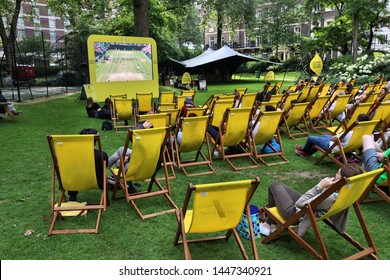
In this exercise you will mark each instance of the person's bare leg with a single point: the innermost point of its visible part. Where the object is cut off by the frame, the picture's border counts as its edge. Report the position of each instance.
(368, 142)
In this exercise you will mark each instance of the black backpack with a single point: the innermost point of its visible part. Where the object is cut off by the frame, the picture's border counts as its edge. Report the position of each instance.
(106, 125)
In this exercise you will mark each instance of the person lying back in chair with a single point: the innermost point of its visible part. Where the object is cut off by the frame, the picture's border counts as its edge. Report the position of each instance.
(98, 167)
(288, 201)
(325, 141)
(373, 156)
(115, 157)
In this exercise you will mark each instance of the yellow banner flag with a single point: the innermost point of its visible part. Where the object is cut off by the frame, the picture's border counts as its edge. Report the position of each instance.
(270, 76)
(316, 64)
(377, 54)
(186, 78)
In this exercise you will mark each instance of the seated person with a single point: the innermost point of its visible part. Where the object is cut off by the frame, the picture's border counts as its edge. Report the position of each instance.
(187, 104)
(325, 141)
(105, 111)
(115, 158)
(373, 156)
(92, 108)
(288, 201)
(7, 107)
(179, 133)
(98, 167)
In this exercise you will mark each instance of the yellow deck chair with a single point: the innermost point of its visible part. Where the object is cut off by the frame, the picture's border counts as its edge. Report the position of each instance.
(268, 128)
(236, 122)
(219, 109)
(381, 112)
(144, 102)
(325, 89)
(295, 119)
(188, 92)
(193, 139)
(164, 120)
(216, 208)
(261, 105)
(304, 94)
(146, 159)
(166, 97)
(349, 192)
(198, 111)
(362, 108)
(278, 86)
(165, 106)
(371, 98)
(112, 99)
(248, 99)
(180, 100)
(276, 98)
(340, 105)
(314, 93)
(358, 130)
(241, 91)
(123, 112)
(315, 110)
(286, 101)
(74, 170)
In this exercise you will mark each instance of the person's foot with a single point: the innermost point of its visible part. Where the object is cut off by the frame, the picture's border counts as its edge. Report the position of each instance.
(298, 147)
(302, 154)
(131, 189)
(266, 229)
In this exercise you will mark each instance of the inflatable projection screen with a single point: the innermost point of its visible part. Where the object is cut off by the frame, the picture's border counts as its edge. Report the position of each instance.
(122, 65)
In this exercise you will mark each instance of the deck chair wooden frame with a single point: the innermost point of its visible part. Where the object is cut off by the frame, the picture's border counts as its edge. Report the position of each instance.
(144, 102)
(268, 128)
(74, 169)
(358, 129)
(193, 134)
(216, 207)
(164, 119)
(236, 133)
(349, 192)
(295, 118)
(146, 159)
(122, 111)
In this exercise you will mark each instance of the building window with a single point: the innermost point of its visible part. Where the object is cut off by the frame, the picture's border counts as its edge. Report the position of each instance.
(53, 37)
(247, 41)
(258, 41)
(52, 23)
(20, 22)
(297, 30)
(21, 34)
(211, 42)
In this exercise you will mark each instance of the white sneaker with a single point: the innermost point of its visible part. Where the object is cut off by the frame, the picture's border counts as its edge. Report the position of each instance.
(216, 154)
(266, 231)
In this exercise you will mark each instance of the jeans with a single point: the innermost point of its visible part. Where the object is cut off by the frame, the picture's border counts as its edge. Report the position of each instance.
(320, 141)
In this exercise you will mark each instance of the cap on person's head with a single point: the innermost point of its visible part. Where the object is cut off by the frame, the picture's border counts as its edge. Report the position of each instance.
(188, 100)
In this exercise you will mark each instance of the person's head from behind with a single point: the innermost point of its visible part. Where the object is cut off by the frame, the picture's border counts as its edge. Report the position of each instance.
(191, 115)
(188, 100)
(363, 118)
(269, 108)
(107, 101)
(89, 101)
(349, 170)
(89, 131)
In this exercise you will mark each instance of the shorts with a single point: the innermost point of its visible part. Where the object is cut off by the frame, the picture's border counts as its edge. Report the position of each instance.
(370, 160)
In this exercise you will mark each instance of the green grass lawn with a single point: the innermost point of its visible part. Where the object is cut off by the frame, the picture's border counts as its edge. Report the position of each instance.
(25, 196)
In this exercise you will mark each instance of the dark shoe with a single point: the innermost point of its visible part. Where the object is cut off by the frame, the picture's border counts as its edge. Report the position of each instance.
(298, 147)
(302, 154)
(72, 198)
(131, 189)
(137, 185)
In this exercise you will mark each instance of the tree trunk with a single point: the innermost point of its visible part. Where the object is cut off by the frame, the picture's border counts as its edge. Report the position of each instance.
(219, 31)
(355, 36)
(371, 33)
(141, 18)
